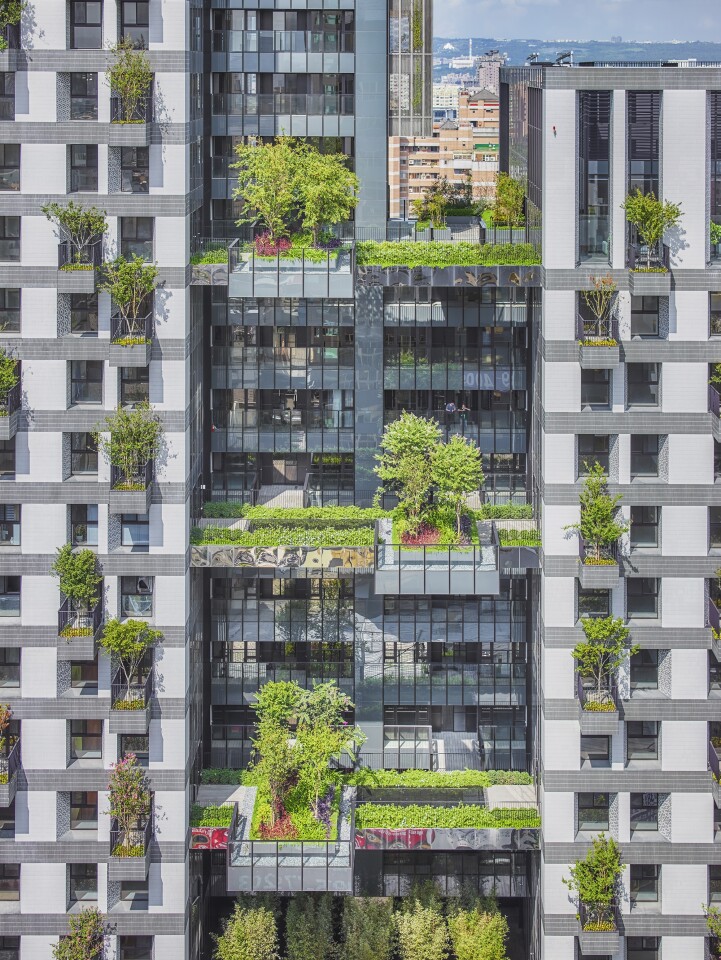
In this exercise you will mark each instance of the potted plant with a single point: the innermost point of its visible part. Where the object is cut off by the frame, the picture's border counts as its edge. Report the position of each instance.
(599, 530)
(130, 79)
(652, 218)
(598, 657)
(130, 440)
(80, 231)
(127, 643)
(130, 806)
(8, 779)
(86, 939)
(130, 284)
(79, 580)
(596, 883)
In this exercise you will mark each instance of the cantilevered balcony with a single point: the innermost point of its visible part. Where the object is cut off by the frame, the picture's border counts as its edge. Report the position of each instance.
(133, 130)
(598, 929)
(307, 273)
(10, 403)
(131, 496)
(597, 709)
(130, 851)
(598, 570)
(78, 631)
(131, 340)
(598, 344)
(77, 269)
(130, 705)
(649, 270)
(10, 763)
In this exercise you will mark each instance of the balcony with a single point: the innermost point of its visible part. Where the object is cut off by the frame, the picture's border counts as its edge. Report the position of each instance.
(77, 271)
(296, 115)
(598, 571)
(649, 270)
(714, 766)
(283, 430)
(10, 56)
(130, 852)
(9, 766)
(130, 706)
(714, 408)
(597, 709)
(130, 131)
(9, 412)
(305, 273)
(713, 620)
(598, 929)
(78, 631)
(598, 344)
(132, 496)
(131, 340)
(438, 569)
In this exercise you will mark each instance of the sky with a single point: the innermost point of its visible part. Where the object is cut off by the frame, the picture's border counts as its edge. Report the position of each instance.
(579, 19)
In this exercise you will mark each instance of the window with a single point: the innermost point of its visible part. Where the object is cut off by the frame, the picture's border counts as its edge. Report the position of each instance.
(592, 449)
(645, 882)
(9, 596)
(642, 739)
(135, 170)
(714, 883)
(644, 316)
(643, 384)
(86, 24)
(134, 892)
(83, 96)
(645, 523)
(715, 315)
(86, 381)
(136, 237)
(7, 459)
(135, 948)
(83, 882)
(595, 750)
(83, 168)
(84, 314)
(714, 528)
(134, 22)
(10, 299)
(9, 238)
(9, 948)
(135, 530)
(595, 388)
(592, 811)
(9, 881)
(84, 805)
(642, 948)
(644, 811)
(10, 667)
(716, 460)
(84, 524)
(137, 744)
(134, 385)
(642, 598)
(644, 670)
(84, 675)
(9, 526)
(7, 96)
(645, 449)
(136, 596)
(593, 603)
(9, 166)
(83, 454)
(86, 739)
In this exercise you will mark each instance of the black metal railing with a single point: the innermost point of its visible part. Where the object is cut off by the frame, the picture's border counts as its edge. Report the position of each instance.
(10, 401)
(140, 480)
(79, 623)
(141, 113)
(10, 762)
(90, 256)
(590, 329)
(131, 328)
(136, 839)
(606, 553)
(137, 692)
(642, 256)
(11, 34)
(590, 697)
(714, 764)
(598, 917)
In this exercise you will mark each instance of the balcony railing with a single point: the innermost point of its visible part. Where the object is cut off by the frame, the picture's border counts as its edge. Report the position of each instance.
(91, 255)
(79, 623)
(589, 329)
(591, 698)
(284, 358)
(303, 274)
(282, 41)
(11, 33)
(10, 763)
(598, 917)
(131, 328)
(139, 481)
(123, 844)
(640, 256)
(283, 104)
(137, 694)
(10, 401)
(143, 112)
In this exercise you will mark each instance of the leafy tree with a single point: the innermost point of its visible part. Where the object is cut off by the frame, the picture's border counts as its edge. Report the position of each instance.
(651, 217)
(422, 932)
(478, 935)
(86, 940)
(328, 189)
(599, 301)
(77, 225)
(318, 744)
(309, 927)
(604, 650)
(277, 766)
(9, 375)
(598, 526)
(434, 203)
(77, 572)
(277, 702)
(715, 231)
(597, 878)
(715, 378)
(324, 704)
(127, 642)
(130, 78)
(713, 923)
(11, 12)
(367, 929)
(268, 184)
(408, 446)
(510, 196)
(250, 933)
(456, 472)
(129, 283)
(135, 439)
(414, 477)
(129, 798)
(6, 716)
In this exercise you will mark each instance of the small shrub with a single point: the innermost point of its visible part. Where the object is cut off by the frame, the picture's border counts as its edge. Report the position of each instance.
(125, 850)
(439, 254)
(282, 829)
(221, 775)
(210, 815)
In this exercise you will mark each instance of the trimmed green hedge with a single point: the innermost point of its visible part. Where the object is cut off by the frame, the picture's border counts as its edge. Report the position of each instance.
(393, 817)
(345, 518)
(220, 509)
(210, 816)
(221, 775)
(519, 538)
(505, 511)
(219, 255)
(434, 779)
(441, 254)
(283, 537)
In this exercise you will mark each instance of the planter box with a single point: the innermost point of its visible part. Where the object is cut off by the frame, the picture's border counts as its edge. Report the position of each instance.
(596, 943)
(129, 868)
(598, 576)
(76, 648)
(642, 284)
(130, 501)
(128, 134)
(136, 355)
(9, 60)
(8, 790)
(9, 425)
(598, 722)
(130, 721)
(76, 281)
(599, 358)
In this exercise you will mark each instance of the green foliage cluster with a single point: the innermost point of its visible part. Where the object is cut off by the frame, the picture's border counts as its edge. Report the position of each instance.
(128, 642)
(133, 704)
(11, 12)
(77, 573)
(130, 284)
(130, 78)
(436, 778)
(407, 253)
(309, 928)
(651, 217)
(213, 255)
(211, 815)
(129, 797)
(250, 933)
(367, 929)
(598, 527)
(604, 650)
(504, 511)
(597, 878)
(441, 519)
(221, 775)
(510, 197)
(77, 225)
(128, 850)
(715, 231)
(9, 375)
(220, 509)
(277, 536)
(519, 538)
(393, 816)
(86, 937)
(135, 438)
(344, 517)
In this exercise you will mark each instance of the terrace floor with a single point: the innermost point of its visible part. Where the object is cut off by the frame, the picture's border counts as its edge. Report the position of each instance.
(280, 495)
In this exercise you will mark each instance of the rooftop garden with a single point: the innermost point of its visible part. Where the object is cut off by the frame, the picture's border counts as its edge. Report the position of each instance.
(391, 816)
(211, 253)
(436, 779)
(595, 882)
(651, 217)
(210, 815)
(401, 253)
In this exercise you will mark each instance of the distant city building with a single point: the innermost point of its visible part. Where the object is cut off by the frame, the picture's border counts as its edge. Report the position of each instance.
(445, 101)
(489, 68)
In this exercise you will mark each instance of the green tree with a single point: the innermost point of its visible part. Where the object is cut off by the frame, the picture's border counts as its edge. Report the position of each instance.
(367, 929)
(651, 217)
(77, 573)
(309, 927)
(277, 766)
(250, 933)
(86, 940)
(605, 649)
(6, 716)
(434, 203)
(129, 802)
(11, 12)
(456, 472)
(130, 283)
(77, 225)
(9, 375)
(599, 300)
(268, 184)
(510, 196)
(127, 642)
(408, 446)
(318, 744)
(713, 924)
(422, 932)
(277, 702)
(598, 527)
(597, 878)
(328, 189)
(135, 439)
(324, 703)
(130, 79)
(478, 935)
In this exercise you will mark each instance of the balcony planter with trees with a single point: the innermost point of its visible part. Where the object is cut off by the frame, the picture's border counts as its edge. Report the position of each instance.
(80, 614)
(130, 440)
(596, 883)
(9, 758)
(11, 12)
(130, 284)
(86, 939)
(648, 260)
(127, 643)
(598, 658)
(131, 105)
(131, 830)
(9, 395)
(80, 252)
(599, 531)
(598, 338)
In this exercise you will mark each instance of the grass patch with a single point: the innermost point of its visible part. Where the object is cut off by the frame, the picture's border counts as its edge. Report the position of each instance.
(442, 254)
(393, 817)
(276, 536)
(433, 779)
(300, 818)
(217, 254)
(504, 511)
